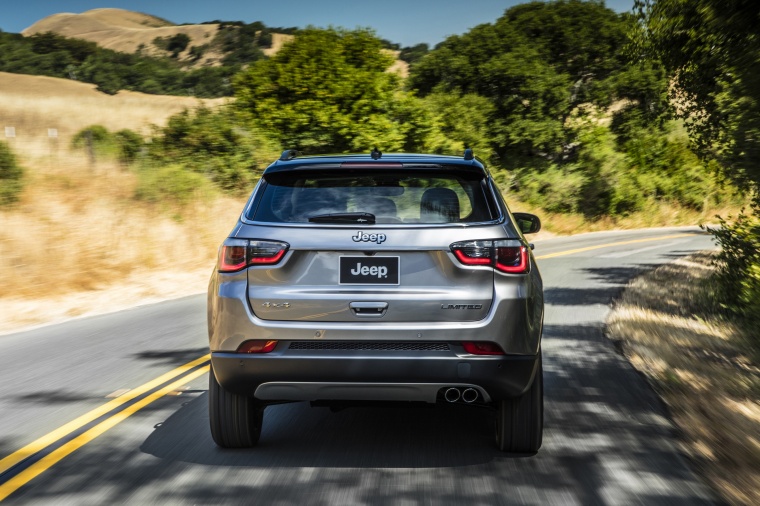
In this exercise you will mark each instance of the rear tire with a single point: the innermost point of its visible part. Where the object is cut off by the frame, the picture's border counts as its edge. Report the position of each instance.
(235, 419)
(520, 421)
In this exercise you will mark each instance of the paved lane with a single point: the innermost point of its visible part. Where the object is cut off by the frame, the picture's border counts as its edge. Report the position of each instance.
(607, 440)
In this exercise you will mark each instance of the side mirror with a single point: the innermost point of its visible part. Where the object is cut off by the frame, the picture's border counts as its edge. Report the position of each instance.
(528, 223)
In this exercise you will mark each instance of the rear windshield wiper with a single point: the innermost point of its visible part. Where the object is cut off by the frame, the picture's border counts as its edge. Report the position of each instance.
(343, 218)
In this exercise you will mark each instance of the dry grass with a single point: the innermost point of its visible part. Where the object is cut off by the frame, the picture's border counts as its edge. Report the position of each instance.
(34, 104)
(705, 369)
(121, 30)
(78, 230)
(278, 40)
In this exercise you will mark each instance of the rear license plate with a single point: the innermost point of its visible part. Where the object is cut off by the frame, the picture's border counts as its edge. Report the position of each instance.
(366, 270)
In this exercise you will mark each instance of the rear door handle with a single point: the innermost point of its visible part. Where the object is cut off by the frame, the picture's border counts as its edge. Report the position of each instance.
(369, 309)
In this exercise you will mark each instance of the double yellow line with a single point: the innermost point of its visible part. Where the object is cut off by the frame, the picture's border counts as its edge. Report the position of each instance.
(16, 481)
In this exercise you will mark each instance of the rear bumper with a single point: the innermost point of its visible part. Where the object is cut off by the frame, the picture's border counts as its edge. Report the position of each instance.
(371, 376)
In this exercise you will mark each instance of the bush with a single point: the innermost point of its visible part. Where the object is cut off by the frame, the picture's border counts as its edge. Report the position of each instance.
(96, 137)
(739, 264)
(171, 184)
(11, 176)
(128, 145)
(177, 44)
(213, 143)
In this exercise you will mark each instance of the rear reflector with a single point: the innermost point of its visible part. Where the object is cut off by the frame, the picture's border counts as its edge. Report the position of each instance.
(256, 346)
(482, 348)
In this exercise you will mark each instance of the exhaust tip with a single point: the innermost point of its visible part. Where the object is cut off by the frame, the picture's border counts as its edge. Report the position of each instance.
(470, 395)
(452, 395)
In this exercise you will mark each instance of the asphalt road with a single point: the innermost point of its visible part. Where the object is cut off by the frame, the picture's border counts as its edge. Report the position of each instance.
(607, 439)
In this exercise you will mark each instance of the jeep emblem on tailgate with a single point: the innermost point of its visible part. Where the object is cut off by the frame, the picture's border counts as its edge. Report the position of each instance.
(362, 237)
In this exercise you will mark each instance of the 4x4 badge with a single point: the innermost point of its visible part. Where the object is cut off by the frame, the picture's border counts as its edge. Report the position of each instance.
(362, 237)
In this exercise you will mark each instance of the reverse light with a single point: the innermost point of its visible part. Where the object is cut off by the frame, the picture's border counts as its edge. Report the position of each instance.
(256, 346)
(237, 254)
(482, 348)
(473, 252)
(509, 256)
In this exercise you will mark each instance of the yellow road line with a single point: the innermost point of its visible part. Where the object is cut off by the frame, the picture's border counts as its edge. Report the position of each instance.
(50, 438)
(608, 245)
(54, 457)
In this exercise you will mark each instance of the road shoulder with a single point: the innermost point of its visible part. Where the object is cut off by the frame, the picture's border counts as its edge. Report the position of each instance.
(702, 366)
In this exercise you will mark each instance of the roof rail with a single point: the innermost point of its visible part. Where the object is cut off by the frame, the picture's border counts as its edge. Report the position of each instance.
(289, 154)
(468, 155)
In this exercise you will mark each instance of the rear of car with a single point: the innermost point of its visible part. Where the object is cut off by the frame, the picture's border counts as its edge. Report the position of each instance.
(395, 278)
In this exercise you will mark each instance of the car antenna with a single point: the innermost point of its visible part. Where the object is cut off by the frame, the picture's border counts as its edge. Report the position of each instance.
(375, 154)
(468, 155)
(289, 154)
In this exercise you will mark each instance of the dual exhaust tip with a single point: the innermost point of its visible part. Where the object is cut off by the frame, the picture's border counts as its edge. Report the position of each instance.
(468, 395)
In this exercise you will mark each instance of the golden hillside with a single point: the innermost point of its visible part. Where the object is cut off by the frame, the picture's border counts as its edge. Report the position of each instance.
(122, 30)
(34, 104)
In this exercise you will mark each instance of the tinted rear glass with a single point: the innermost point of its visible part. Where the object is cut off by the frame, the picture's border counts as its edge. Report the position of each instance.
(393, 196)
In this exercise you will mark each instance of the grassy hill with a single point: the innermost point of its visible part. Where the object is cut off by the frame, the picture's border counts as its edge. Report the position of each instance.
(209, 44)
(127, 32)
(34, 104)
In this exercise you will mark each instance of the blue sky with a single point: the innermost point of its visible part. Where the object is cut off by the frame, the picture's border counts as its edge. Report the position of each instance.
(406, 22)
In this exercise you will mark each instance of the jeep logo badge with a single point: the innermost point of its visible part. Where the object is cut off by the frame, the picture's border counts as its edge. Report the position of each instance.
(362, 237)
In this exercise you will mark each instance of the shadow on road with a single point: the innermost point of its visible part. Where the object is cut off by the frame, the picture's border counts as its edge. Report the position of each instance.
(297, 435)
(172, 357)
(610, 283)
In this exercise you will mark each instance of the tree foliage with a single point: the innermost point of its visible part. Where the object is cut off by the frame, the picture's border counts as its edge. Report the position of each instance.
(412, 54)
(537, 63)
(214, 144)
(328, 90)
(711, 50)
(553, 97)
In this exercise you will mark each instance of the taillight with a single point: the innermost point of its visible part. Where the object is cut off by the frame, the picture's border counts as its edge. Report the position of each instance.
(256, 346)
(508, 256)
(237, 254)
(482, 348)
(511, 259)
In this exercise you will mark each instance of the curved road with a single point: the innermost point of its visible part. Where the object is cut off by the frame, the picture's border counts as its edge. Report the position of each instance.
(139, 441)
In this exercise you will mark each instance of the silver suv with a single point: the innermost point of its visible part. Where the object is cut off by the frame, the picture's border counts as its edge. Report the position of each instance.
(371, 278)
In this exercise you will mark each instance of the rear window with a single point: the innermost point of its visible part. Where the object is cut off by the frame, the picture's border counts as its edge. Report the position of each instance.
(392, 196)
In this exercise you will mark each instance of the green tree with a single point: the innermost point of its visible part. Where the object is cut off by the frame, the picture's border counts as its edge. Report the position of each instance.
(177, 43)
(412, 54)
(328, 91)
(536, 64)
(213, 143)
(711, 50)
(462, 121)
